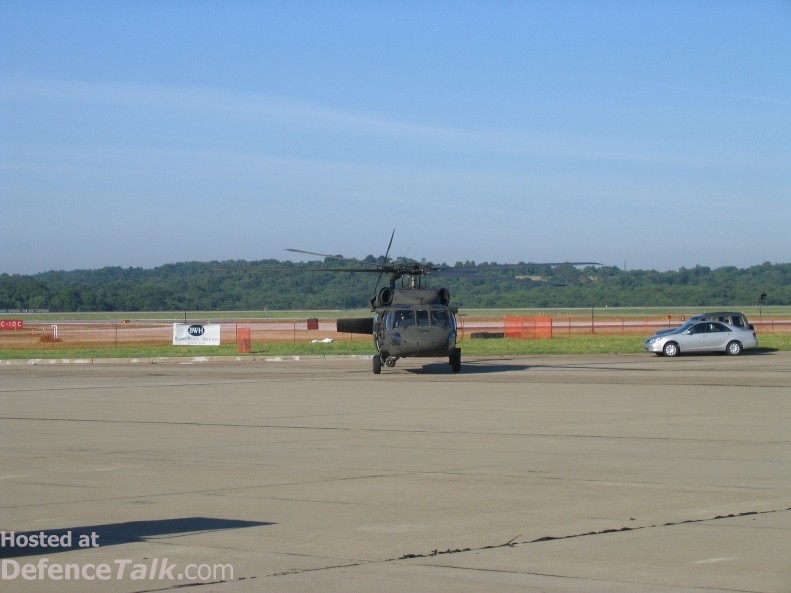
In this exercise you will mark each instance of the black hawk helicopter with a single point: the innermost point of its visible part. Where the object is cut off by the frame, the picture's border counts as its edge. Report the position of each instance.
(410, 320)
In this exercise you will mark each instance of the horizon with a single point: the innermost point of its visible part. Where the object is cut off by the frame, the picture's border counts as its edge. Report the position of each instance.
(446, 264)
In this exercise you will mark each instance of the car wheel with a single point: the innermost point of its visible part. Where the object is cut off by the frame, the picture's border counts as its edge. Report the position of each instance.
(734, 348)
(670, 349)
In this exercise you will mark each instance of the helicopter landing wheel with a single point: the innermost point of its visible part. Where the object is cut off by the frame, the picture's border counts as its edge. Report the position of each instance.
(391, 361)
(455, 359)
(377, 362)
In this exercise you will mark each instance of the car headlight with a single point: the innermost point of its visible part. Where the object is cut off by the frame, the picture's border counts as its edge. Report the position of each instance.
(652, 340)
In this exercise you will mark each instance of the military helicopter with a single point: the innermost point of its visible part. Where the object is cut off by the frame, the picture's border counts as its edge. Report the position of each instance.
(410, 320)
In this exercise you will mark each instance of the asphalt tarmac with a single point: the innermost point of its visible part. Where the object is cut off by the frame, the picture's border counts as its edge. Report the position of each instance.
(628, 473)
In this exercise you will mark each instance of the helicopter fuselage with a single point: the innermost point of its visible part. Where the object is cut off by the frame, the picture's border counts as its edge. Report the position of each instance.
(414, 321)
(407, 322)
(414, 330)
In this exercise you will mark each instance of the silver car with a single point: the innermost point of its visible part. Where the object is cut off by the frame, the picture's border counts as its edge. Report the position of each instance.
(727, 317)
(702, 336)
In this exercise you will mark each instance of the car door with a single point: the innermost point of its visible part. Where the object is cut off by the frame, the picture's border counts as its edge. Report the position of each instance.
(717, 336)
(694, 339)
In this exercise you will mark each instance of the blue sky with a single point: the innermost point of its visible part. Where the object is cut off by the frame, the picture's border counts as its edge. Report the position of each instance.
(655, 134)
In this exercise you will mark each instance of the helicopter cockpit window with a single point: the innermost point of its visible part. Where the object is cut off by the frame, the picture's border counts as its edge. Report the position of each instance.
(440, 318)
(404, 317)
(422, 318)
(389, 320)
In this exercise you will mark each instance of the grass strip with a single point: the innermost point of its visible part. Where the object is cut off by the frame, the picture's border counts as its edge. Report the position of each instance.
(494, 347)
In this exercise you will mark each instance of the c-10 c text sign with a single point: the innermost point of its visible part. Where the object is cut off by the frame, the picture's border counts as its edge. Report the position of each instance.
(196, 334)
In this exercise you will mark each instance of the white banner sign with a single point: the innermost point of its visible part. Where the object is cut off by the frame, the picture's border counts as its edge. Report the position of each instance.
(196, 334)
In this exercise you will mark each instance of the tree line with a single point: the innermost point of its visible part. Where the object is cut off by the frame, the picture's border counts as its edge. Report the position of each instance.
(283, 285)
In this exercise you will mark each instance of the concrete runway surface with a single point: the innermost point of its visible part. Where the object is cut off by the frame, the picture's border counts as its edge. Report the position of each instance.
(557, 473)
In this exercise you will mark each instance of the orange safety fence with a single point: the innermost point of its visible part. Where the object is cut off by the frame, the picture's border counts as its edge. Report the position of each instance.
(533, 327)
(243, 341)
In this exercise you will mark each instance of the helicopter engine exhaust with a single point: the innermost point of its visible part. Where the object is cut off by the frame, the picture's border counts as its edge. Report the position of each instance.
(443, 295)
(385, 297)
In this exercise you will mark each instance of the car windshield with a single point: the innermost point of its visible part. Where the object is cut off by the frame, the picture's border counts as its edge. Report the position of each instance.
(682, 328)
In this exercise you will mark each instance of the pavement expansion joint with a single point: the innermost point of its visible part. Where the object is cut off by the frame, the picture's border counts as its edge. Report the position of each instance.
(513, 543)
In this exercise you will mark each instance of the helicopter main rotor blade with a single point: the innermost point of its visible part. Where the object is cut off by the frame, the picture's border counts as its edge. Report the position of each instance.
(339, 258)
(349, 270)
(390, 244)
(519, 266)
(299, 270)
(562, 263)
(387, 253)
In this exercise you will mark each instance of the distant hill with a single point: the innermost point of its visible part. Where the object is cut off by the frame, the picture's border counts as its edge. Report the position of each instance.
(243, 285)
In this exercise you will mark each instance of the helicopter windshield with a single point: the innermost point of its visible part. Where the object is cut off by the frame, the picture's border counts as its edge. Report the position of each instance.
(404, 317)
(441, 318)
